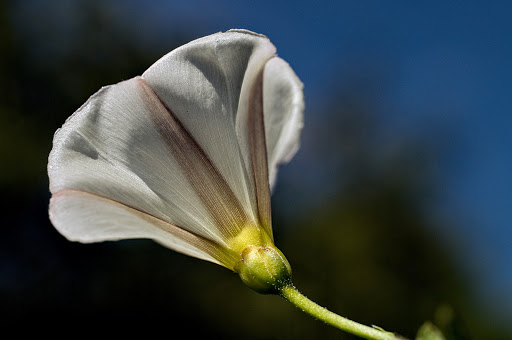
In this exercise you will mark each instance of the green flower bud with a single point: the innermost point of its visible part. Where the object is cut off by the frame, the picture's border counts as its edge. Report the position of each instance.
(264, 269)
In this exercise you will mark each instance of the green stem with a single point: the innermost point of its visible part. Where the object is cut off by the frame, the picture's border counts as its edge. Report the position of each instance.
(291, 294)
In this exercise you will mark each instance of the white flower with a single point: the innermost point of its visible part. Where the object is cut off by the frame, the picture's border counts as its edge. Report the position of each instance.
(185, 154)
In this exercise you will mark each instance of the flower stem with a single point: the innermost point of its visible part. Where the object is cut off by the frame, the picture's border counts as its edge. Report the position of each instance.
(291, 294)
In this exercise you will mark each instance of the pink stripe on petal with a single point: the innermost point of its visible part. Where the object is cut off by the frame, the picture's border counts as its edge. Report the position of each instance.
(258, 149)
(209, 184)
(86, 217)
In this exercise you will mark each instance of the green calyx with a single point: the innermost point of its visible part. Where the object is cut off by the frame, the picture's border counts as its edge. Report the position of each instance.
(264, 269)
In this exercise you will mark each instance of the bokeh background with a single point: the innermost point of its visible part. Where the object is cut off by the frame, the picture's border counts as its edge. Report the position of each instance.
(396, 210)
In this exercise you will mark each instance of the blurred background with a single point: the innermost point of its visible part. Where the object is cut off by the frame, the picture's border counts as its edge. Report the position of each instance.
(395, 211)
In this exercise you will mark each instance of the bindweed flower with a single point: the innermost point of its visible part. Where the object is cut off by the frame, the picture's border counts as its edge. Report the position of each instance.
(185, 154)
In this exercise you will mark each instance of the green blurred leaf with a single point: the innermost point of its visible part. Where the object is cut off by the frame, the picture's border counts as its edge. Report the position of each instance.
(428, 331)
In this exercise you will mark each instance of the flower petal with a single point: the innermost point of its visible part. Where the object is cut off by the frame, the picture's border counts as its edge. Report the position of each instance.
(283, 106)
(111, 147)
(203, 84)
(193, 143)
(258, 151)
(211, 187)
(85, 217)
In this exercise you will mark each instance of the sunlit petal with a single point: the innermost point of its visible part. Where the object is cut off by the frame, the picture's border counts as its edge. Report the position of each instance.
(283, 105)
(190, 148)
(205, 84)
(258, 150)
(85, 217)
(112, 148)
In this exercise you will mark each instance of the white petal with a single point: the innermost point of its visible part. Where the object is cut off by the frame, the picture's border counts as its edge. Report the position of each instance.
(174, 143)
(203, 83)
(283, 106)
(88, 218)
(112, 148)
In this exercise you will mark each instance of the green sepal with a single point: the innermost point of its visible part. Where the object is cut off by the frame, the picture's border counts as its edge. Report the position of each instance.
(264, 269)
